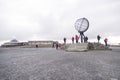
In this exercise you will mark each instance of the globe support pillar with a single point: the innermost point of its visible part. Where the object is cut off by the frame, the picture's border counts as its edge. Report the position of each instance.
(81, 35)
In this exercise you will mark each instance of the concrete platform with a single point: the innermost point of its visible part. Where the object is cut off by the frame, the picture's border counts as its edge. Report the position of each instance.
(78, 47)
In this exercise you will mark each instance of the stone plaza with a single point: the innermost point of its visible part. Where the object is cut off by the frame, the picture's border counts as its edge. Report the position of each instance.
(52, 64)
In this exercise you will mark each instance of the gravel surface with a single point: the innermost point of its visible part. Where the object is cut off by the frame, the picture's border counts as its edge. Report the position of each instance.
(52, 64)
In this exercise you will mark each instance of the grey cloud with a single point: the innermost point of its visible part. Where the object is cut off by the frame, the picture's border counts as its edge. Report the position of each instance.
(55, 19)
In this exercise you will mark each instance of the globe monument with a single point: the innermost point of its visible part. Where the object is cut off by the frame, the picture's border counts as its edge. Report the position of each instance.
(81, 25)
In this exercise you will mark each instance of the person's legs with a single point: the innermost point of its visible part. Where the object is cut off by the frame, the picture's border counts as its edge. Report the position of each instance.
(106, 43)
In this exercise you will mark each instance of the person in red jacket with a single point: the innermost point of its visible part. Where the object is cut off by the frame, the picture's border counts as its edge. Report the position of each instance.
(105, 40)
(76, 38)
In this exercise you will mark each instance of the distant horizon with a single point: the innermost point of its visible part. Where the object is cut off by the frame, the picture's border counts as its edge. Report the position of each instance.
(111, 42)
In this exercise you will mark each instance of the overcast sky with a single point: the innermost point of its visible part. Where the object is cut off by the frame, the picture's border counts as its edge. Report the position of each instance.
(55, 19)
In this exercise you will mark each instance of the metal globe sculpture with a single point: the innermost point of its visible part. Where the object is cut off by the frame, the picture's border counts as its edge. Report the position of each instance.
(82, 25)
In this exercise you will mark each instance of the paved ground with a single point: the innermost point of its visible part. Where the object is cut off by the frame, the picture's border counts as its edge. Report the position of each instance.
(51, 64)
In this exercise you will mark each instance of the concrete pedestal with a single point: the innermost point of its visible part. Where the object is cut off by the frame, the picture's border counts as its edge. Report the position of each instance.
(77, 47)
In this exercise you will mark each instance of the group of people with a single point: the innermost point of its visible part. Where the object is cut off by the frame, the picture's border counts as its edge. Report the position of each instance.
(76, 38)
(85, 40)
(105, 40)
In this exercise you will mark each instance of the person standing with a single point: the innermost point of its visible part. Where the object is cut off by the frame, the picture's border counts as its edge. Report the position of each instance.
(105, 40)
(64, 40)
(56, 45)
(73, 40)
(76, 38)
(98, 38)
(86, 39)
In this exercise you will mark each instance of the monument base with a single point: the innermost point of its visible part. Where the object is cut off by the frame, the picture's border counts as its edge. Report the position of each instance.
(82, 47)
(77, 47)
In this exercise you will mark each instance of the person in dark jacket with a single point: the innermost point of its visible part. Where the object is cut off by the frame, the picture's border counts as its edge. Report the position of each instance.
(98, 38)
(57, 45)
(85, 39)
(73, 40)
(64, 40)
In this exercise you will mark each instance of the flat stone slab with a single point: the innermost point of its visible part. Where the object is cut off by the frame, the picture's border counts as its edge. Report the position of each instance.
(77, 47)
